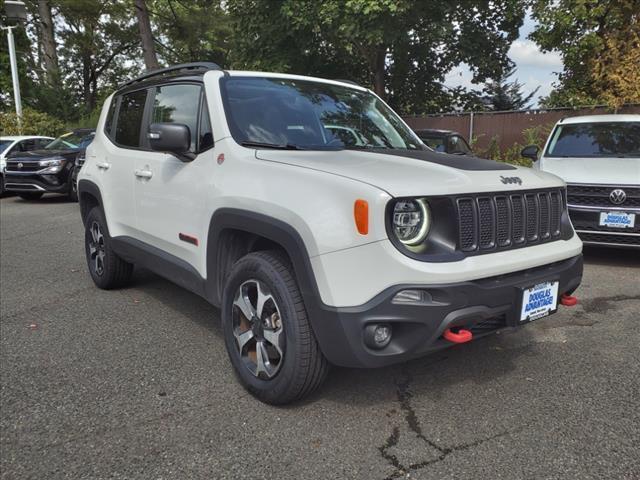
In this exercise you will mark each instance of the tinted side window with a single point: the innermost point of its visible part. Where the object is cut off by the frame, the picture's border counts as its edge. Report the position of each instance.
(177, 104)
(130, 118)
(108, 124)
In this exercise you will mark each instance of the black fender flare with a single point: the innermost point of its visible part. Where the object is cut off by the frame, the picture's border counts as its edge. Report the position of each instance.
(324, 319)
(267, 227)
(87, 186)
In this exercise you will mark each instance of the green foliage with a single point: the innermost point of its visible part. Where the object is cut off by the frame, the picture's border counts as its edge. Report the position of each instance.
(197, 30)
(33, 123)
(401, 48)
(531, 136)
(501, 94)
(578, 29)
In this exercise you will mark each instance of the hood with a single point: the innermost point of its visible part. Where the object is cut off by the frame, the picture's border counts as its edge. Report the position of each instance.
(44, 153)
(612, 171)
(405, 173)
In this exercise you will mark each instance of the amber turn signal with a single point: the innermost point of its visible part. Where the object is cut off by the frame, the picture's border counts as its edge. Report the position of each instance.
(361, 216)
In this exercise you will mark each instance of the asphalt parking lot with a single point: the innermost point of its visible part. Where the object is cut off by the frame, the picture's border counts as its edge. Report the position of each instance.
(136, 384)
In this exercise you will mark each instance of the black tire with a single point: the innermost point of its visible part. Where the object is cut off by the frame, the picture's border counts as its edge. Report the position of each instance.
(1, 185)
(303, 367)
(114, 271)
(73, 187)
(30, 195)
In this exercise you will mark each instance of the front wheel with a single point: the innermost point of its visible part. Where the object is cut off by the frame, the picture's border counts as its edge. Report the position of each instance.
(268, 337)
(107, 269)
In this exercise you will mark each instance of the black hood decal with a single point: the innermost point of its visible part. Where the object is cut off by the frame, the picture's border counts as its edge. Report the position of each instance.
(461, 162)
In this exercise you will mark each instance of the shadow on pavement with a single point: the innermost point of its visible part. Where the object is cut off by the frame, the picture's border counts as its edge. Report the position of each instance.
(481, 361)
(615, 257)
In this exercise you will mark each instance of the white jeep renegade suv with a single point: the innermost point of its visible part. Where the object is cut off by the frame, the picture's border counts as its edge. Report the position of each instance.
(326, 231)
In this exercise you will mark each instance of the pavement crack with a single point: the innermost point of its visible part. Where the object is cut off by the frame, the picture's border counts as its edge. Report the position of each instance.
(404, 394)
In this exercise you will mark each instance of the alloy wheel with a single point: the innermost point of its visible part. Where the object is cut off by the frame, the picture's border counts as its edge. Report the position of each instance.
(96, 249)
(258, 330)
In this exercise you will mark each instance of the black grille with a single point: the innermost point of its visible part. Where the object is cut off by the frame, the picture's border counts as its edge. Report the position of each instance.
(630, 240)
(598, 195)
(499, 221)
(27, 166)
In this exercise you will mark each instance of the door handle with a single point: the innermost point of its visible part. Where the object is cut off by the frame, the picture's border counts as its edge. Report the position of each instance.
(144, 174)
(103, 165)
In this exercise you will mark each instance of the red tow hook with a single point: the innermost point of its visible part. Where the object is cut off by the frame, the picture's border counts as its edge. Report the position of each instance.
(568, 300)
(461, 336)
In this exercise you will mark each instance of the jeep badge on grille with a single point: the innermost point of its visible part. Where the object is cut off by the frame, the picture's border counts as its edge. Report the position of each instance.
(507, 180)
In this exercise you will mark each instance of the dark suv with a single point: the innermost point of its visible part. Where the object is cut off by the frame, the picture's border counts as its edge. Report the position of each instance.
(53, 169)
(445, 141)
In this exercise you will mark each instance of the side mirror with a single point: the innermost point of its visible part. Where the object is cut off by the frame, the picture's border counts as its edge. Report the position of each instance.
(530, 152)
(173, 138)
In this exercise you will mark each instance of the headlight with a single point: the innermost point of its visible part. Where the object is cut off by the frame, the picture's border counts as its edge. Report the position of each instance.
(52, 165)
(411, 221)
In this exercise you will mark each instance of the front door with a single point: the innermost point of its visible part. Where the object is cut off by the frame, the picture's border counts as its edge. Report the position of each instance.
(171, 194)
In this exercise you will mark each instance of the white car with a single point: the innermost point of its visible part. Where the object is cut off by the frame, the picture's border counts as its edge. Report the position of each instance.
(20, 143)
(239, 187)
(599, 159)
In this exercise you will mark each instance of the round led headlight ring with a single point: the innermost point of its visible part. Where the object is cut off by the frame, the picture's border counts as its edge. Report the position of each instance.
(411, 221)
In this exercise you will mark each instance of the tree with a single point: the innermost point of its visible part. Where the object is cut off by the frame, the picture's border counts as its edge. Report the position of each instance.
(146, 36)
(616, 71)
(401, 48)
(98, 38)
(579, 30)
(48, 42)
(197, 30)
(501, 94)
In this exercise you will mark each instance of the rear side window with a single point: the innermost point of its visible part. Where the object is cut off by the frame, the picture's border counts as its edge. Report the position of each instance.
(108, 124)
(178, 104)
(129, 120)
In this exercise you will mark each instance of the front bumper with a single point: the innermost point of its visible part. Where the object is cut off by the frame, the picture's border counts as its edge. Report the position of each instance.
(54, 183)
(586, 222)
(481, 306)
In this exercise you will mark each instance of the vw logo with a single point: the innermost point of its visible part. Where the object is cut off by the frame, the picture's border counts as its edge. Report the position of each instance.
(20, 165)
(617, 196)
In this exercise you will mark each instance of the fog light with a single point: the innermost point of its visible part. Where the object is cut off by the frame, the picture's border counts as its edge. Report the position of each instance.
(412, 297)
(377, 335)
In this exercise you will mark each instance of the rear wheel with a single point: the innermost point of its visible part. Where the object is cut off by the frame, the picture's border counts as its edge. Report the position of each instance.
(107, 269)
(30, 195)
(267, 334)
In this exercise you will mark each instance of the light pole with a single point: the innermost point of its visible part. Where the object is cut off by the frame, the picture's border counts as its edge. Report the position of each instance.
(14, 71)
(15, 10)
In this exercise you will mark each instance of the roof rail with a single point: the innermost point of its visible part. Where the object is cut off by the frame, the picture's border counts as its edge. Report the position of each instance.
(203, 66)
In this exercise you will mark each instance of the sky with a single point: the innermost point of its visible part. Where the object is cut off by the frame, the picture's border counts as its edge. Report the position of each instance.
(534, 68)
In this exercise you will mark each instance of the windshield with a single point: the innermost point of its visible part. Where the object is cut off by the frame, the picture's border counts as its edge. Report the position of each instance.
(596, 140)
(282, 113)
(4, 144)
(70, 141)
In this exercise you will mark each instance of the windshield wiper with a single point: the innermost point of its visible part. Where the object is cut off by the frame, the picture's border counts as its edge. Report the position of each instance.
(286, 146)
